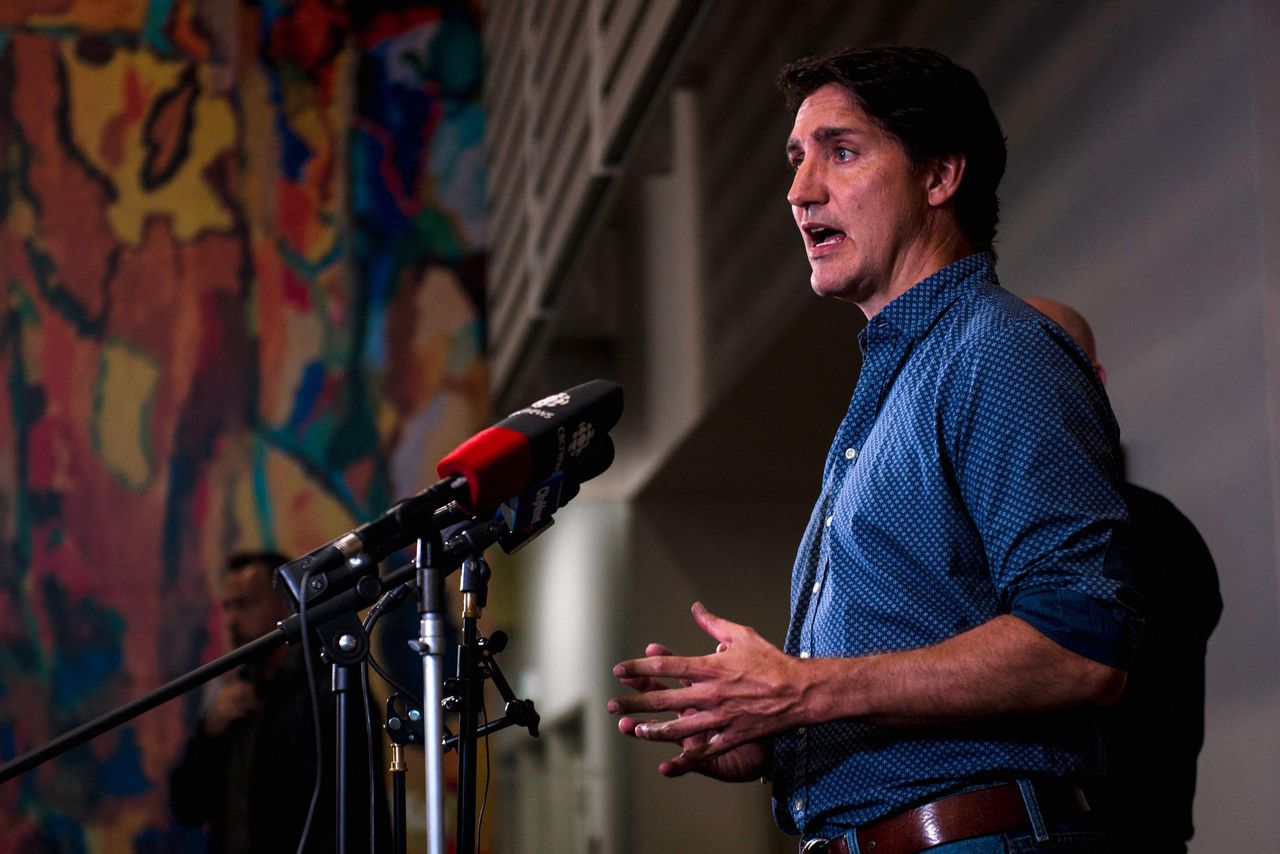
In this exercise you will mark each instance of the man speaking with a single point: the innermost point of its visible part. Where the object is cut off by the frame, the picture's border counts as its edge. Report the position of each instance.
(959, 599)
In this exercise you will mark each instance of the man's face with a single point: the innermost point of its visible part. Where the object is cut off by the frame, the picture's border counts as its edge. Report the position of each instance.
(251, 607)
(860, 207)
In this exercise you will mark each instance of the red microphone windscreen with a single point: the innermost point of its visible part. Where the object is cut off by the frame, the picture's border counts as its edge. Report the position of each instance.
(496, 463)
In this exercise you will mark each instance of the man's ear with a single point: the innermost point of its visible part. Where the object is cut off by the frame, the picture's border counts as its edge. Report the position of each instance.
(943, 175)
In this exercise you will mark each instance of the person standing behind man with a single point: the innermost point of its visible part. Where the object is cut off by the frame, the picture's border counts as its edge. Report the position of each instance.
(1154, 734)
(960, 595)
(248, 770)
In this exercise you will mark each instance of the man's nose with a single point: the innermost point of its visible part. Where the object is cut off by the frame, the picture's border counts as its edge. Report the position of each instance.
(807, 187)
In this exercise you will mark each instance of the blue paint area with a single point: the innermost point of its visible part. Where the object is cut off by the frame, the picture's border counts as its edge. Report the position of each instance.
(79, 675)
(88, 646)
(170, 840)
(310, 387)
(373, 203)
(158, 12)
(183, 471)
(401, 111)
(294, 152)
(62, 834)
(288, 444)
(308, 269)
(375, 344)
(355, 435)
(262, 494)
(378, 277)
(316, 436)
(455, 60)
(120, 774)
(271, 11)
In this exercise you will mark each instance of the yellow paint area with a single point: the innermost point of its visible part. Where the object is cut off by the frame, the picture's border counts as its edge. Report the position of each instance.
(128, 15)
(109, 104)
(305, 515)
(126, 385)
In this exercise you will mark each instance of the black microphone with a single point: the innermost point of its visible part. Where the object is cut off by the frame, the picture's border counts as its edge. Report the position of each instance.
(530, 445)
(397, 527)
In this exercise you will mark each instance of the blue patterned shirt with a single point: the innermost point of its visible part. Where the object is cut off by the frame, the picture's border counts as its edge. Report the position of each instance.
(974, 475)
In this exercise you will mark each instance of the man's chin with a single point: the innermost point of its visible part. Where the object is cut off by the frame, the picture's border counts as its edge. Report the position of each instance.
(827, 286)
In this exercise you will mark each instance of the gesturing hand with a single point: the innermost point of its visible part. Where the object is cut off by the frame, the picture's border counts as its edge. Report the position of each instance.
(236, 700)
(745, 691)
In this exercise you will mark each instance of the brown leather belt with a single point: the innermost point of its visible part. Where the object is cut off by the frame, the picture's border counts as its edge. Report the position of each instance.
(962, 816)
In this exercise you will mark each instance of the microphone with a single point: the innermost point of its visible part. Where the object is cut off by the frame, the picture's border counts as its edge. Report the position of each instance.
(531, 507)
(394, 529)
(497, 464)
(525, 517)
(532, 444)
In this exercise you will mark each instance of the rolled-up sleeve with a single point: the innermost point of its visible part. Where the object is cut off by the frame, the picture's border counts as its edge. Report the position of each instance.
(1036, 455)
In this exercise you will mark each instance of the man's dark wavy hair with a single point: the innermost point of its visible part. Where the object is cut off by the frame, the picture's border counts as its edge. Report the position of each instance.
(932, 106)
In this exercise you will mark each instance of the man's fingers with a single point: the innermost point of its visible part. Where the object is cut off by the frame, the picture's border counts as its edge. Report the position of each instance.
(716, 743)
(644, 684)
(668, 666)
(718, 627)
(677, 766)
(684, 727)
(669, 700)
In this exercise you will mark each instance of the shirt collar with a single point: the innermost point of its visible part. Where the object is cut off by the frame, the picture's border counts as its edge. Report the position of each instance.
(914, 312)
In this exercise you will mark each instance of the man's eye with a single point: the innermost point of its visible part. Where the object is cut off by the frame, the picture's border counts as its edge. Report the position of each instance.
(843, 154)
(795, 162)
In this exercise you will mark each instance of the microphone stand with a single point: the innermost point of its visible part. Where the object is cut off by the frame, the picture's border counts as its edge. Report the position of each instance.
(129, 711)
(404, 726)
(476, 663)
(431, 645)
(347, 643)
(475, 588)
(288, 631)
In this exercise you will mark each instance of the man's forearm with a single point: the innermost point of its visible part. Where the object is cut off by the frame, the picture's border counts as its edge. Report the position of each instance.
(749, 689)
(1003, 667)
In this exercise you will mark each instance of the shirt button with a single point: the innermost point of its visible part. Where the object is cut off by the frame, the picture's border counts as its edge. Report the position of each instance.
(850, 453)
(830, 519)
(804, 653)
(799, 804)
(817, 585)
(799, 730)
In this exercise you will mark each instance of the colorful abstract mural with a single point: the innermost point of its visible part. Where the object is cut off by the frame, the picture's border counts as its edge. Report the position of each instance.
(241, 247)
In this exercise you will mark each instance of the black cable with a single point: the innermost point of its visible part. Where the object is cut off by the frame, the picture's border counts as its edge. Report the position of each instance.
(389, 602)
(393, 683)
(315, 708)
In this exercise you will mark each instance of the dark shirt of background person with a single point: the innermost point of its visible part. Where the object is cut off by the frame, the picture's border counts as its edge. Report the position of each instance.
(1154, 734)
(249, 768)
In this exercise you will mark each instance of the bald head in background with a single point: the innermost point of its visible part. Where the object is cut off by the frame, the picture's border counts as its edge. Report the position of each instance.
(1074, 324)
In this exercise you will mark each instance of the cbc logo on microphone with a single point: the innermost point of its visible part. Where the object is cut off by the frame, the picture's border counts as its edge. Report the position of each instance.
(581, 438)
(554, 400)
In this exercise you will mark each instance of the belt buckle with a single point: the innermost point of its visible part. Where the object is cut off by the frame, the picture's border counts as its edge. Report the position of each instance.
(815, 846)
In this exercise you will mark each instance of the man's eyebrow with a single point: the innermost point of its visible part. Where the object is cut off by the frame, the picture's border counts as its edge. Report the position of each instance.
(826, 133)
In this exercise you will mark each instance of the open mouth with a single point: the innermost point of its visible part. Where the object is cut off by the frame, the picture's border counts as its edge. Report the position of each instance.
(820, 236)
